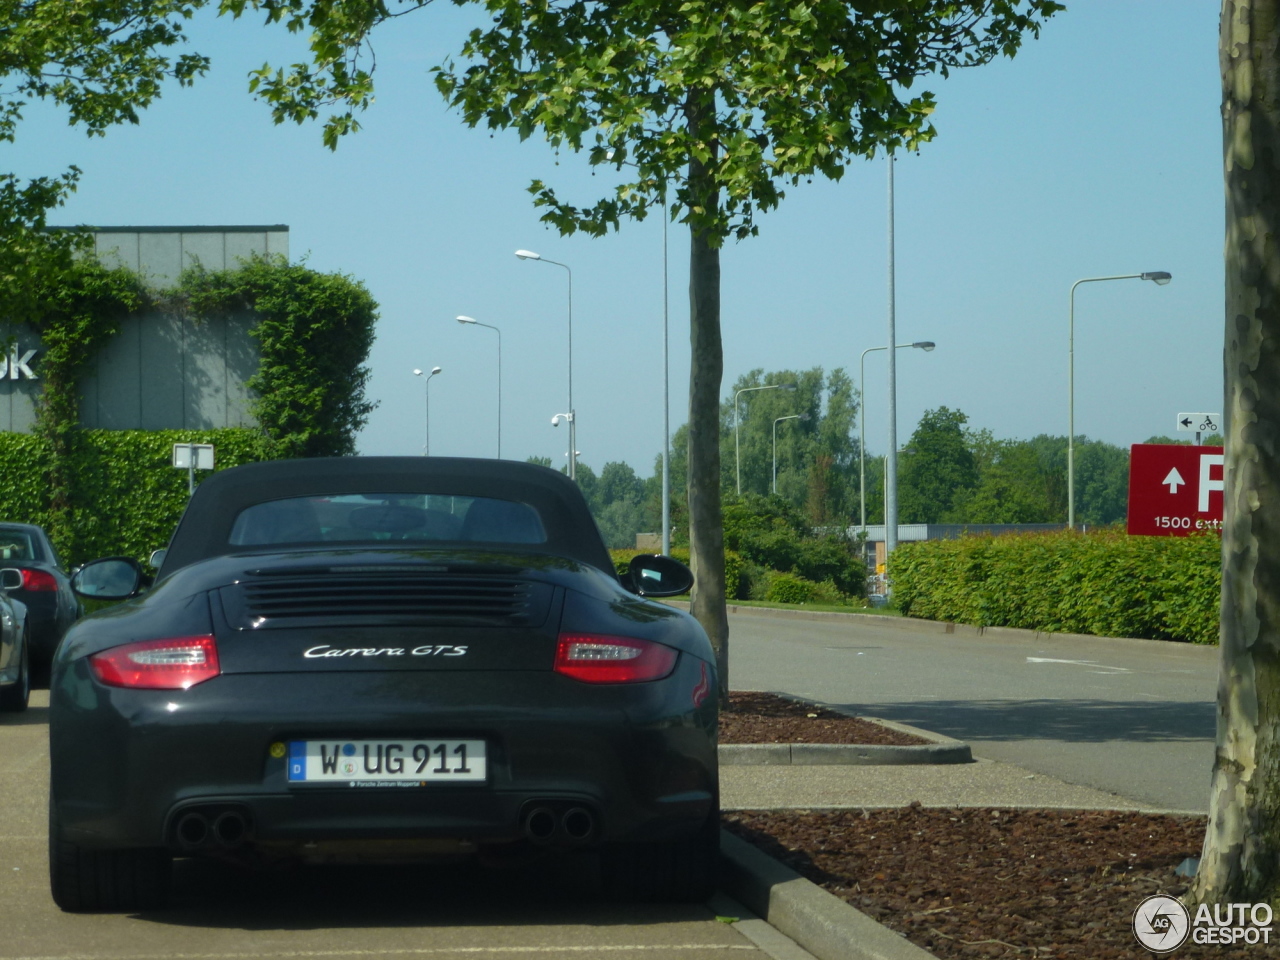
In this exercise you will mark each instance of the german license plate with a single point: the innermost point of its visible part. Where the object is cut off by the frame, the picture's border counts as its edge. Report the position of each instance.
(362, 763)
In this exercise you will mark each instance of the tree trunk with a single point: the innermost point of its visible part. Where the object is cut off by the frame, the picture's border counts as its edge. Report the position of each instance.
(1241, 857)
(706, 369)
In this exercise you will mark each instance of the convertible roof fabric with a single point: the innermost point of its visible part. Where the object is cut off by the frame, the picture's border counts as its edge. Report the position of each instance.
(206, 525)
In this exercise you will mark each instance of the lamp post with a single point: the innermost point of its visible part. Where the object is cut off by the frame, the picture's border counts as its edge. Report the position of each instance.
(926, 346)
(666, 393)
(891, 455)
(1158, 277)
(666, 375)
(794, 416)
(476, 323)
(573, 420)
(426, 449)
(737, 454)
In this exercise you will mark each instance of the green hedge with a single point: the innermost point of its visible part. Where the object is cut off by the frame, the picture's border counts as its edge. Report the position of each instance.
(126, 498)
(1105, 583)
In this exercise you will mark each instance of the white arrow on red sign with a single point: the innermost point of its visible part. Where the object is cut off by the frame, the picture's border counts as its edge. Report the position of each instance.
(1173, 480)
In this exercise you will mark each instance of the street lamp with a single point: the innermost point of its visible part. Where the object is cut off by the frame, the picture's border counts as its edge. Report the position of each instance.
(426, 450)
(666, 377)
(794, 416)
(476, 323)
(573, 421)
(737, 458)
(1158, 277)
(926, 346)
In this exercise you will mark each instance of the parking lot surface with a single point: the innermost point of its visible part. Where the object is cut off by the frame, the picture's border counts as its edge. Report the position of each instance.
(546, 910)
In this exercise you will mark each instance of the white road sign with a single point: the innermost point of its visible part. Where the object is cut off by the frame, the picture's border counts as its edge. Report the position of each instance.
(193, 456)
(1199, 422)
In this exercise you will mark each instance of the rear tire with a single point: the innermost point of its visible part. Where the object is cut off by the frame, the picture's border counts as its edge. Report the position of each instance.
(681, 871)
(14, 698)
(83, 880)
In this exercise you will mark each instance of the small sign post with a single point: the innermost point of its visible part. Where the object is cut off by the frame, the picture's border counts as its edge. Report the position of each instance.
(1199, 423)
(192, 457)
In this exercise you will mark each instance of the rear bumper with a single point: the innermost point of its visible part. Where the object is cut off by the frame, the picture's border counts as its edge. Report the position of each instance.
(127, 764)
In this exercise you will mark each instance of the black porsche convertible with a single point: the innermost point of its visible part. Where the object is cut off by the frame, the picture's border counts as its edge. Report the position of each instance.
(382, 659)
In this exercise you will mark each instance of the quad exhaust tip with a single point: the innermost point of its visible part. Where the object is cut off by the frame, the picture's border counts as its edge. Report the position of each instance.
(193, 831)
(547, 824)
(230, 829)
(540, 825)
(201, 829)
(578, 824)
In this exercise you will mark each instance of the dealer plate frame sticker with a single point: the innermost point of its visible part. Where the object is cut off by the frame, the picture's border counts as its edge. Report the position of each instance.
(386, 763)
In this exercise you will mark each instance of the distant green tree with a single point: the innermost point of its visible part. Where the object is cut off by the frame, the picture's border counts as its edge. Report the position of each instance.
(936, 469)
(1012, 489)
(618, 482)
(620, 504)
(829, 404)
(1212, 440)
(1102, 482)
(539, 461)
(589, 484)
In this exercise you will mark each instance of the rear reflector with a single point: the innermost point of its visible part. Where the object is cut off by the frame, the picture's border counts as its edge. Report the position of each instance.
(39, 581)
(158, 664)
(597, 658)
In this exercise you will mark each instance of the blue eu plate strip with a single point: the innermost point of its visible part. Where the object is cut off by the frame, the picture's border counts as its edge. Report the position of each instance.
(297, 760)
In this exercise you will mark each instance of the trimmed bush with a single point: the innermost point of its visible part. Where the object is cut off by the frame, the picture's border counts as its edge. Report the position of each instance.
(769, 533)
(789, 588)
(1105, 583)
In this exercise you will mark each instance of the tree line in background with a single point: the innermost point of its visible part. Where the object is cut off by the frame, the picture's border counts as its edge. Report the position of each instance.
(948, 472)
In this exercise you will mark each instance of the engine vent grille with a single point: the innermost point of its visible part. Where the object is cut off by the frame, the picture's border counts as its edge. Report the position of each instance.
(283, 601)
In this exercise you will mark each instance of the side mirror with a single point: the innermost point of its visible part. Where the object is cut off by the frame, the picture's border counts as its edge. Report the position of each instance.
(112, 578)
(157, 557)
(11, 578)
(653, 575)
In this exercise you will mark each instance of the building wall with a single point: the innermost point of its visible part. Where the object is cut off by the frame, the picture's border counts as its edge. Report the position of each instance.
(163, 371)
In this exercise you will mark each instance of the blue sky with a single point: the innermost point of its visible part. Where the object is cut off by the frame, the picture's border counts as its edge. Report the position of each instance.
(1097, 151)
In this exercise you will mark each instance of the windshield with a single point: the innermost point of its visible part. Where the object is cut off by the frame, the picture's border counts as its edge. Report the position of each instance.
(386, 517)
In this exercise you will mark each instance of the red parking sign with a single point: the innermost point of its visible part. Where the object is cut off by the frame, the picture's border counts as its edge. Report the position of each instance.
(1174, 490)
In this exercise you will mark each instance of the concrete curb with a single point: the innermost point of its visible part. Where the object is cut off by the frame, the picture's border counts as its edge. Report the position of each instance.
(818, 921)
(942, 749)
(831, 754)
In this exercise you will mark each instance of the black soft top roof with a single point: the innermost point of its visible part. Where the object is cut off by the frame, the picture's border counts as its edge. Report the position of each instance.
(206, 525)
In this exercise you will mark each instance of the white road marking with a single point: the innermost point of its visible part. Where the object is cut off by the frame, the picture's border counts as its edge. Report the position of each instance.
(1082, 663)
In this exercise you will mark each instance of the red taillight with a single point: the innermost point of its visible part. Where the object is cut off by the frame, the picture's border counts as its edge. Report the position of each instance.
(596, 658)
(39, 581)
(158, 664)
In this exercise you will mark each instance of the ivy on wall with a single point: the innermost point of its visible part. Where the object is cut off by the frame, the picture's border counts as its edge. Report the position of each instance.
(80, 308)
(313, 332)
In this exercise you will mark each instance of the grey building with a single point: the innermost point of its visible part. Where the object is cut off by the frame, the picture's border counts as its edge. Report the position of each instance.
(164, 371)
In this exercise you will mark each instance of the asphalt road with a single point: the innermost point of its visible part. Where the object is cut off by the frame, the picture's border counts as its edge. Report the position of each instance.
(1131, 717)
(548, 911)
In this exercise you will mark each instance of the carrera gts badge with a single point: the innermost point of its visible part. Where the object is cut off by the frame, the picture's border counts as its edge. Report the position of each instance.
(428, 650)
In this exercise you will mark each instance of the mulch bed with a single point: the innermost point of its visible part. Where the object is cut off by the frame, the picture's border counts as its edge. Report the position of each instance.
(994, 883)
(768, 718)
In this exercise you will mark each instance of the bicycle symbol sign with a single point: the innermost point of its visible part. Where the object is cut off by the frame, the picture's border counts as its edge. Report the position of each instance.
(1199, 423)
